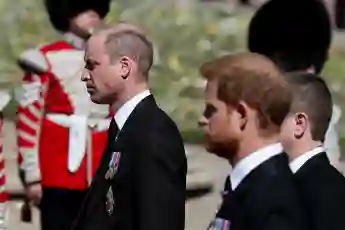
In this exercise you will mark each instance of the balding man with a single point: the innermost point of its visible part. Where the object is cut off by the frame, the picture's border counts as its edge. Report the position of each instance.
(141, 181)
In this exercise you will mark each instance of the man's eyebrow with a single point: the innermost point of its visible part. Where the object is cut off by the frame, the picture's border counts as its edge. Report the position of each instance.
(90, 60)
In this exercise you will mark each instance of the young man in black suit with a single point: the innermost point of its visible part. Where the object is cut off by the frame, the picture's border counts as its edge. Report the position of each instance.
(247, 99)
(141, 181)
(320, 185)
(296, 35)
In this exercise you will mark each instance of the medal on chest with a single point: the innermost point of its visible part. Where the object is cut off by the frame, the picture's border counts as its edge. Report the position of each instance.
(219, 224)
(112, 169)
(110, 201)
(113, 166)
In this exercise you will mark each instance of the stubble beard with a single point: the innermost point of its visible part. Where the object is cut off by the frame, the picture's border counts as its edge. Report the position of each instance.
(226, 150)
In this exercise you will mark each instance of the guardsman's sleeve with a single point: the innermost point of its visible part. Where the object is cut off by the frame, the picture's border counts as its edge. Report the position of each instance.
(4, 99)
(30, 96)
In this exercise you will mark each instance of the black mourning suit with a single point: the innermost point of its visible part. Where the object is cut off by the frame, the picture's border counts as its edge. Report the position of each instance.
(149, 186)
(266, 199)
(322, 189)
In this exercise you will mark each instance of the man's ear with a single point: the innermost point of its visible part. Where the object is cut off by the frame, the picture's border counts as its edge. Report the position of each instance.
(301, 125)
(125, 67)
(242, 110)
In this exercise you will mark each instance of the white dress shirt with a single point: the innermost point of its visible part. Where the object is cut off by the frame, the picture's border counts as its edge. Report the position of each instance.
(125, 110)
(299, 161)
(252, 161)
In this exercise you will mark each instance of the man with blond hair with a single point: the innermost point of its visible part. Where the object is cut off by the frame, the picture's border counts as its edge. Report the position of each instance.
(141, 181)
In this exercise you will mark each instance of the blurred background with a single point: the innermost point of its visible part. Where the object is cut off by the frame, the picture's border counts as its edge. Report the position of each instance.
(185, 34)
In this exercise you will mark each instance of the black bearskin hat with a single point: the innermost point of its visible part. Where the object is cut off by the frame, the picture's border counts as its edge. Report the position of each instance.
(61, 11)
(296, 34)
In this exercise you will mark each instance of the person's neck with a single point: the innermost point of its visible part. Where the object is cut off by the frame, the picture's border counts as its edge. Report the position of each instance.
(75, 40)
(250, 145)
(300, 147)
(82, 34)
(127, 95)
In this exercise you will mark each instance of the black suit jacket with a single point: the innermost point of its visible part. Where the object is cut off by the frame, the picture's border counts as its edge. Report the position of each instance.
(322, 189)
(150, 184)
(266, 199)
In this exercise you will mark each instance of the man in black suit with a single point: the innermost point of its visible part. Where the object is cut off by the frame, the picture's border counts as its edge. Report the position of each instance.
(141, 181)
(247, 99)
(296, 35)
(320, 185)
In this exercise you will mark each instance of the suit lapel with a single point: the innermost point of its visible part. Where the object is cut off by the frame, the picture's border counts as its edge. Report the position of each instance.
(317, 160)
(260, 172)
(117, 141)
(98, 188)
(142, 110)
(89, 201)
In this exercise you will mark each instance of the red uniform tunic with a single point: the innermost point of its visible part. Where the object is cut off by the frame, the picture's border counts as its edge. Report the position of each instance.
(61, 133)
(4, 99)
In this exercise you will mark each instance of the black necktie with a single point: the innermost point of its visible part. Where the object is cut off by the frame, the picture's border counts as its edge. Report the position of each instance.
(112, 132)
(227, 184)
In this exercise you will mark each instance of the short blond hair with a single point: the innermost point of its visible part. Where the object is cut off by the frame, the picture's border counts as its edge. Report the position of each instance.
(131, 40)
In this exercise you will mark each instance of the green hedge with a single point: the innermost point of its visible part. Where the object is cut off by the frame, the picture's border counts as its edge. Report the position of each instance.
(183, 39)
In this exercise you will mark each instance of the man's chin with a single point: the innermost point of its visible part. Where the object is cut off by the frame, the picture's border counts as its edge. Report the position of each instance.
(213, 150)
(95, 99)
(218, 150)
(208, 148)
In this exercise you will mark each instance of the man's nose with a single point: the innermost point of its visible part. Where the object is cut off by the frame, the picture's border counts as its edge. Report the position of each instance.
(202, 121)
(85, 75)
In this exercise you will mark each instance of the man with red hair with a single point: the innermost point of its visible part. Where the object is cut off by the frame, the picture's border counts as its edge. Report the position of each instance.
(247, 100)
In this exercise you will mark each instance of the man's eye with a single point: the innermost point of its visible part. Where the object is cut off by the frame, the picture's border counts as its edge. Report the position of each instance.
(209, 111)
(89, 66)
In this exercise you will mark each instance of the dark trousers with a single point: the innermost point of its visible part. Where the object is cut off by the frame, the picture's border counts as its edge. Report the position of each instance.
(59, 208)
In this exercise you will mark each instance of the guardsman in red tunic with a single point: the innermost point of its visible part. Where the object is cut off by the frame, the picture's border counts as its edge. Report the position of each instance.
(4, 99)
(61, 134)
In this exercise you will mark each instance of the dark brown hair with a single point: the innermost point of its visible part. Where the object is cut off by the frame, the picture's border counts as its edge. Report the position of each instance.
(312, 97)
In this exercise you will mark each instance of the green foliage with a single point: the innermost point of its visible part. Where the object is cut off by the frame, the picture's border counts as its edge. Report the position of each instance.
(182, 38)
(334, 74)
(24, 25)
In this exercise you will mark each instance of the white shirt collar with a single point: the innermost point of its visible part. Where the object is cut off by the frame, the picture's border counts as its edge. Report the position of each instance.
(298, 162)
(75, 40)
(125, 110)
(250, 162)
